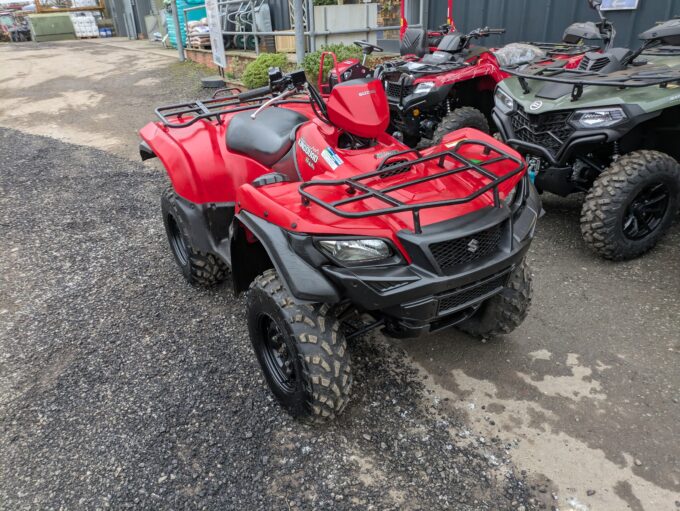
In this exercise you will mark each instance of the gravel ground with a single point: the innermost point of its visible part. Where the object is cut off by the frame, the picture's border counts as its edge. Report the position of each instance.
(123, 387)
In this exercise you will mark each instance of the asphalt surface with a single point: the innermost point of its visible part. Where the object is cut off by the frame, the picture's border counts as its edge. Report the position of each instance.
(124, 387)
(110, 365)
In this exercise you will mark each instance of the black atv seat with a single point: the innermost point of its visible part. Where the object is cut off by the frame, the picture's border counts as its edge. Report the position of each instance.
(268, 137)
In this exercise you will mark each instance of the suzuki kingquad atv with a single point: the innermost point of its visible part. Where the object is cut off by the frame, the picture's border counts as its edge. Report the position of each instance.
(611, 129)
(453, 87)
(321, 216)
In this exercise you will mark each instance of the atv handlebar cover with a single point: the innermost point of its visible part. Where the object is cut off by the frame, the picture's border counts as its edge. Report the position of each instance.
(354, 184)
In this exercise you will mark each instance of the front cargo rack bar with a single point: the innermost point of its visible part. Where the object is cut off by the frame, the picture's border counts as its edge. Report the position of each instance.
(388, 167)
(173, 116)
(579, 78)
(572, 50)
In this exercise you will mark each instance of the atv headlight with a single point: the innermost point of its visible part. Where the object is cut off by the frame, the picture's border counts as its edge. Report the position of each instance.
(356, 250)
(503, 101)
(598, 118)
(424, 87)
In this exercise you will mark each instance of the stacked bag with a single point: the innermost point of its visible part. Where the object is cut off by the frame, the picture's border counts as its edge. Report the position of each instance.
(199, 34)
(84, 24)
(195, 15)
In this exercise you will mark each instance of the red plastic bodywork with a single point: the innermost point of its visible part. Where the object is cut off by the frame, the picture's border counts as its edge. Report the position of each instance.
(203, 170)
(359, 108)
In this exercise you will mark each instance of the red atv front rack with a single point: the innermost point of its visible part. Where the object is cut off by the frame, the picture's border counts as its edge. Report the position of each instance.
(385, 169)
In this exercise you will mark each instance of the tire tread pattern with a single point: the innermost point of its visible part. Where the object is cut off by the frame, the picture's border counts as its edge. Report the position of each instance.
(600, 215)
(322, 350)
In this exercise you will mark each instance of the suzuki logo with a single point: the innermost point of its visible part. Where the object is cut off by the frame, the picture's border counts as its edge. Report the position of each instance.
(473, 246)
(535, 105)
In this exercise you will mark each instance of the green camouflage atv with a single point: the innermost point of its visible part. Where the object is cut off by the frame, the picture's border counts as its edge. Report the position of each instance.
(610, 128)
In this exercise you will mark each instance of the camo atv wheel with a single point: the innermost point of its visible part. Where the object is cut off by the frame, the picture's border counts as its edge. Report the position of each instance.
(301, 350)
(504, 312)
(631, 205)
(199, 268)
(463, 117)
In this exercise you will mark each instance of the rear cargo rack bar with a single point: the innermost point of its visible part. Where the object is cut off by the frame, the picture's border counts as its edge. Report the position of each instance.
(580, 78)
(388, 167)
(172, 116)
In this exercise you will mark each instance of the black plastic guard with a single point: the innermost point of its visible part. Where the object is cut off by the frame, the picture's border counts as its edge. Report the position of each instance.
(304, 282)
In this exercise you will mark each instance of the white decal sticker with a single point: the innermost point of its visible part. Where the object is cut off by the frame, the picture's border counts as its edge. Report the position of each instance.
(332, 158)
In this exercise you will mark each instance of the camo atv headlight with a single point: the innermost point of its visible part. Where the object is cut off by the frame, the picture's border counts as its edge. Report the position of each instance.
(503, 101)
(356, 250)
(598, 118)
(424, 87)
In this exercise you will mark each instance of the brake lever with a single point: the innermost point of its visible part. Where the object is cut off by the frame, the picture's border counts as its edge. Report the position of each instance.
(270, 101)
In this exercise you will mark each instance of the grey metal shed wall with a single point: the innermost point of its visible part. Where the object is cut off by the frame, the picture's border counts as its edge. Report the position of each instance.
(545, 20)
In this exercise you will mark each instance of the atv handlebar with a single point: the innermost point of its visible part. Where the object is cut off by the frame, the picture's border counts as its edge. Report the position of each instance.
(486, 31)
(254, 93)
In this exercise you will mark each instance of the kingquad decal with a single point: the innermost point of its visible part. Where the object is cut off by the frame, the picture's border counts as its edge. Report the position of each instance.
(332, 158)
(311, 152)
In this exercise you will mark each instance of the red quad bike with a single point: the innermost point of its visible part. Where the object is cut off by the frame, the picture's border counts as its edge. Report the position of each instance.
(323, 218)
(431, 95)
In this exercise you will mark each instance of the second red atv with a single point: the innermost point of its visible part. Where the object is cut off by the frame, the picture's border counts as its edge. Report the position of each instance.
(321, 218)
(432, 94)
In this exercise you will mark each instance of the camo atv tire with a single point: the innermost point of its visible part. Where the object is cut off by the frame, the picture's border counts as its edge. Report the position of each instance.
(631, 205)
(301, 350)
(463, 117)
(504, 312)
(200, 269)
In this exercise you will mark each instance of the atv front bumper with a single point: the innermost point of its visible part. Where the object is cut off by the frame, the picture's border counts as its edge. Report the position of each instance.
(421, 297)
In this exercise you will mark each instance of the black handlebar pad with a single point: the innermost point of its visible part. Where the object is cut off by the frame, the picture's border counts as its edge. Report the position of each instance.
(254, 93)
(495, 31)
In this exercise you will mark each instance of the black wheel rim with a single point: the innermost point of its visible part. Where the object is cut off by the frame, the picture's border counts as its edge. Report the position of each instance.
(646, 212)
(279, 360)
(177, 243)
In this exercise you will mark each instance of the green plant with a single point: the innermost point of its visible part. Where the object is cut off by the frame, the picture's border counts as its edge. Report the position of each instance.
(325, 2)
(256, 73)
(342, 52)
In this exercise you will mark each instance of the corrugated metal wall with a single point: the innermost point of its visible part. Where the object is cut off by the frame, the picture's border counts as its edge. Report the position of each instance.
(545, 20)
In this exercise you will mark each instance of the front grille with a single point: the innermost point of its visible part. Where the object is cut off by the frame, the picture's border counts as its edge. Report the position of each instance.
(452, 253)
(471, 294)
(547, 130)
(393, 89)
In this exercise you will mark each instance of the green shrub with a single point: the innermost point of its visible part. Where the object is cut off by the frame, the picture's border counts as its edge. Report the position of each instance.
(256, 73)
(342, 52)
(325, 2)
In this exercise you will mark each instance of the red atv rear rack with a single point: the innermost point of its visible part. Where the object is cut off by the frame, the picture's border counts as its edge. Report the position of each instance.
(385, 169)
(172, 116)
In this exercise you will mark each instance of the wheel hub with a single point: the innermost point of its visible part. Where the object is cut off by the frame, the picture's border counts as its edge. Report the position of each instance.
(646, 211)
(278, 358)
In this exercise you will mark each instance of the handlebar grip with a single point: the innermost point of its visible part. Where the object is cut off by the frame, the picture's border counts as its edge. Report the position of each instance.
(254, 93)
(496, 31)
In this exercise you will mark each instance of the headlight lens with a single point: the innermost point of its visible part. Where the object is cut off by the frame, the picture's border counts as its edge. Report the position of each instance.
(512, 195)
(504, 101)
(356, 250)
(598, 118)
(424, 87)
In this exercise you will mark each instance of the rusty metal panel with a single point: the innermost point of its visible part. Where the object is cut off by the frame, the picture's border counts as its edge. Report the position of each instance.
(545, 20)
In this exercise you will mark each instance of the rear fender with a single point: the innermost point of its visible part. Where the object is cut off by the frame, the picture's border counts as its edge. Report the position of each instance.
(186, 151)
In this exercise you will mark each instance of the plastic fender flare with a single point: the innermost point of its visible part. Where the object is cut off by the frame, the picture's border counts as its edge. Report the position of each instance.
(305, 282)
(179, 166)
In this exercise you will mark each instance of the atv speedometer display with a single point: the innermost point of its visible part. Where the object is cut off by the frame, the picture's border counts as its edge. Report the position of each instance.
(356, 250)
(600, 118)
